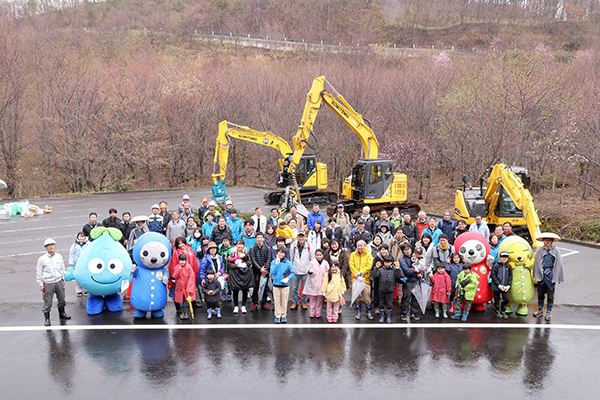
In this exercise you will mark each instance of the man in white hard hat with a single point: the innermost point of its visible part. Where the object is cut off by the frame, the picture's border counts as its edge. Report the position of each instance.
(186, 204)
(50, 276)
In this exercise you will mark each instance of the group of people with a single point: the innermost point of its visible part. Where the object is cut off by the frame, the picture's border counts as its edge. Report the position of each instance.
(299, 263)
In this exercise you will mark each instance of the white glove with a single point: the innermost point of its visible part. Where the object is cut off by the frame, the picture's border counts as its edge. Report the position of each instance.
(165, 280)
(506, 288)
(133, 268)
(285, 280)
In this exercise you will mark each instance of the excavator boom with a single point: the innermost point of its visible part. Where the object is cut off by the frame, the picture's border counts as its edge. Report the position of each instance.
(227, 131)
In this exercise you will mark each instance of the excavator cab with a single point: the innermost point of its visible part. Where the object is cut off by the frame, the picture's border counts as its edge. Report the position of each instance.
(306, 174)
(371, 179)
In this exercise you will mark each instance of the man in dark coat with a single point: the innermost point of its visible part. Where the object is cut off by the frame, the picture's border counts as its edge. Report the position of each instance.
(260, 255)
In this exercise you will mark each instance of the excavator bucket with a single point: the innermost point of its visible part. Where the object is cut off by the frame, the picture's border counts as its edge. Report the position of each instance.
(288, 200)
(219, 193)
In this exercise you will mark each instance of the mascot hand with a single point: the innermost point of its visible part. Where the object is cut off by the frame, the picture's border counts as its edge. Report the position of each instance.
(69, 274)
(490, 260)
(529, 264)
(133, 268)
(165, 280)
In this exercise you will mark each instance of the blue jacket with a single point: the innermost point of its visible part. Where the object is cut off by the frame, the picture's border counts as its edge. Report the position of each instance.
(237, 228)
(155, 223)
(446, 227)
(409, 273)
(206, 264)
(312, 217)
(207, 228)
(435, 235)
(249, 241)
(281, 270)
(453, 270)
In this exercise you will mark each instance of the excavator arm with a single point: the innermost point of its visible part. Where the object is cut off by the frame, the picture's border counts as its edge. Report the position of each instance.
(336, 102)
(227, 131)
(501, 175)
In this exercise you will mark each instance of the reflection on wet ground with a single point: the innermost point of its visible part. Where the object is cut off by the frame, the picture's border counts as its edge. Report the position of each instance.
(530, 362)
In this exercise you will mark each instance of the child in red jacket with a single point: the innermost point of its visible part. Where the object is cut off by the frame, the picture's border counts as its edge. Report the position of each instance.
(442, 286)
(185, 285)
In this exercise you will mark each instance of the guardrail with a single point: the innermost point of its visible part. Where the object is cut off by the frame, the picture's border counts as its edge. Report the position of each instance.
(290, 45)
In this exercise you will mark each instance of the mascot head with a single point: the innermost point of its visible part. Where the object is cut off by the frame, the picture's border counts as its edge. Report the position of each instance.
(518, 249)
(472, 247)
(104, 264)
(152, 250)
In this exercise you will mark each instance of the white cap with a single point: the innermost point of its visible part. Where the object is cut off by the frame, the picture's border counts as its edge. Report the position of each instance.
(228, 202)
(212, 203)
(186, 197)
(49, 241)
(156, 206)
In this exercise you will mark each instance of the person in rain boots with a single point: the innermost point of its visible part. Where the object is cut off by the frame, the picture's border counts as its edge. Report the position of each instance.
(387, 276)
(501, 276)
(50, 276)
(212, 294)
(442, 286)
(361, 262)
(185, 286)
(466, 287)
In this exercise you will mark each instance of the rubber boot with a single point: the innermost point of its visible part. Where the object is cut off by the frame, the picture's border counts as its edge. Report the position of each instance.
(357, 316)
(388, 316)
(382, 316)
(218, 313)
(369, 315)
(437, 313)
(445, 313)
(62, 314)
(46, 319)
(464, 317)
(457, 314)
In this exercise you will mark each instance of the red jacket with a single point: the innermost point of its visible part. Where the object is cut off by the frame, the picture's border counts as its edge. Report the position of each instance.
(441, 287)
(185, 284)
(191, 259)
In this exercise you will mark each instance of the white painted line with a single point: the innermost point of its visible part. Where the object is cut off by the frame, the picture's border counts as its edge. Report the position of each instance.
(566, 252)
(297, 326)
(39, 228)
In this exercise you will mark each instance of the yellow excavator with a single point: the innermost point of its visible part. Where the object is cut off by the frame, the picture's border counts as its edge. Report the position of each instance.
(310, 175)
(505, 199)
(372, 180)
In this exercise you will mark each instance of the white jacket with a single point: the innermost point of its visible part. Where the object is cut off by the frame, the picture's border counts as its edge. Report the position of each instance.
(300, 261)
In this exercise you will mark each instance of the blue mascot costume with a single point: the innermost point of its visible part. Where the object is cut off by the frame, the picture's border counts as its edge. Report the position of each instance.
(151, 253)
(103, 270)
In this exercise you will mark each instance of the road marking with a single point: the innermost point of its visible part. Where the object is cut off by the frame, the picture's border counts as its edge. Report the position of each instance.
(297, 326)
(38, 228)
(567, 252)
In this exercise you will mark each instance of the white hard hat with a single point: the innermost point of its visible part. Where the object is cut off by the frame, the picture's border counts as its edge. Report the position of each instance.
(49, 241)
(156, 206)
(228, 202)
(212, 203)
(186, 197)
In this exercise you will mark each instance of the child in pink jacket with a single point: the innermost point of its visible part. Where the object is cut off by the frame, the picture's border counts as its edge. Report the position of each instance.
(316, 271)
(442, 286)
(185, 285)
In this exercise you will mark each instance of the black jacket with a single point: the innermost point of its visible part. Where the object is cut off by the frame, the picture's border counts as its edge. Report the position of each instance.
(87, 228)
(388, 277)
(214, 285)
(218, 235)
(241, 278)
(501, 275)
(337, 231)
(261, 257)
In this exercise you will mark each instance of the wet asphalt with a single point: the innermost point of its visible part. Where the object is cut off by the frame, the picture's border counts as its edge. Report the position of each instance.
(110, 355)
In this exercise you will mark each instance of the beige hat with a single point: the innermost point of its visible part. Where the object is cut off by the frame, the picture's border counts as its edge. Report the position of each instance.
(548, 235)
(211, 245)
(139, 218)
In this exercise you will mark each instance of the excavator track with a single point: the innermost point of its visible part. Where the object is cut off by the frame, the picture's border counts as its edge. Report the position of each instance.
(275, 198)
(351, 207)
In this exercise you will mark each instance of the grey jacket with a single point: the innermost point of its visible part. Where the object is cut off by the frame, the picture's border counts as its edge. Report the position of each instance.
(50, 269)
(538, 265)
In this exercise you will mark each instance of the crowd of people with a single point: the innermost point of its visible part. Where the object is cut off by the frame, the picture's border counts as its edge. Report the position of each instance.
(288, 262)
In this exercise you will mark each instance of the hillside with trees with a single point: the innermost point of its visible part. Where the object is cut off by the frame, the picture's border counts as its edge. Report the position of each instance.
(124, 94)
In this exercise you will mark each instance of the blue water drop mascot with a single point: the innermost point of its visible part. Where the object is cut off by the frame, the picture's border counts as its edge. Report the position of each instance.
(103, 270)
(151, 253)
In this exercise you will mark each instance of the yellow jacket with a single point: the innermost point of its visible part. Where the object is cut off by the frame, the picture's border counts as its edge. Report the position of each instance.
(361, 262)
(333, 290)
(286, 232)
